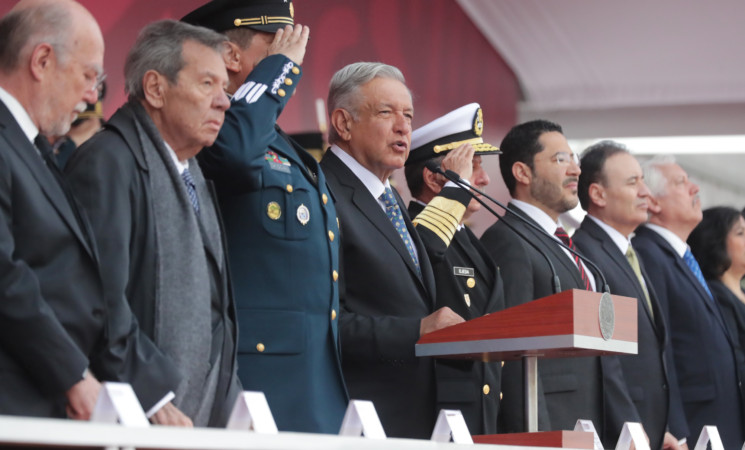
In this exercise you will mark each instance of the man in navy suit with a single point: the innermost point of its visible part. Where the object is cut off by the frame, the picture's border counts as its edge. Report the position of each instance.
(388, 288)
(612, 191)
(703, 350)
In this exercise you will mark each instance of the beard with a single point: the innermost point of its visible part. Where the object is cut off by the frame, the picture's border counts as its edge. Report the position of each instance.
(552, 195)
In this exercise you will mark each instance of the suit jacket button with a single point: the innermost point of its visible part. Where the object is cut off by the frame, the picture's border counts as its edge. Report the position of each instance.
(486, 389)
(333, 314)
(260, 347)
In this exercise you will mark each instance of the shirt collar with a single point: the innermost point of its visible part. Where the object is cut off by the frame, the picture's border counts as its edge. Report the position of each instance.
(20, 114)
(180, 166)
(621, 241)
(675, 242)
(535, 213)
(371, 182)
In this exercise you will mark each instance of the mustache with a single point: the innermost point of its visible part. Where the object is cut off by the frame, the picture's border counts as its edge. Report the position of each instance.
(570, 180)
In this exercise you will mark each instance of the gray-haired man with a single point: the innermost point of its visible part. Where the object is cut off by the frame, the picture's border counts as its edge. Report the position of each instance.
(154, 215)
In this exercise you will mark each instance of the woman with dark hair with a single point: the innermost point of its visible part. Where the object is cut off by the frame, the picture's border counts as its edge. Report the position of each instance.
(718, 243)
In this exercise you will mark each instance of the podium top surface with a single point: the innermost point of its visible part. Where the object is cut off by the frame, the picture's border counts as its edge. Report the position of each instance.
(568, 324)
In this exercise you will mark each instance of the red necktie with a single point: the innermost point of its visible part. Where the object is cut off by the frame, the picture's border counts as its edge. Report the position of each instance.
(564, 237)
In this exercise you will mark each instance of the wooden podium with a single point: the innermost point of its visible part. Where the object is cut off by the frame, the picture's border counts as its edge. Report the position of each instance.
(568, 324)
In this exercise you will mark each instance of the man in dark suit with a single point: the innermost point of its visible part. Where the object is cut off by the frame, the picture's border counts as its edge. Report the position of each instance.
(612, 191)
(703, 351)
(154, 216)
(280, 221)
(466, 278)
(388, 288)
(60, 329)
(541, 173)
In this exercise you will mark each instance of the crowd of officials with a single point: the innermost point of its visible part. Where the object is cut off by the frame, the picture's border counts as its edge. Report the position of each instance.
(193, 249)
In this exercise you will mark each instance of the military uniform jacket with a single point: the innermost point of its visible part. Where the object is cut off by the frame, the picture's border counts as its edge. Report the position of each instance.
(574, 388)
(383, 301)
(110, 176)
(703, 350)
(650, 374)
(467, 281)
(55, 317)
(283, 249)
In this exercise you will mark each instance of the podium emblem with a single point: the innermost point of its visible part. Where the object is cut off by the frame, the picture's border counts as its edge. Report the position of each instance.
(607, 316)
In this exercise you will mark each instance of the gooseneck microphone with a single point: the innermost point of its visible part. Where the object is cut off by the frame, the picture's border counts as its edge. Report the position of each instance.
(434, 167)
(454, 177)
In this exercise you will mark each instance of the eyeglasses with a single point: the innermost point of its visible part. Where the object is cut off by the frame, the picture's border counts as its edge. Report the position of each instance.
(564, 158)
(95, 83)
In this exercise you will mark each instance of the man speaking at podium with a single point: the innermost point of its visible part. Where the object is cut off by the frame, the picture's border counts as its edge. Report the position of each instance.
(541, 173)
(612, 191)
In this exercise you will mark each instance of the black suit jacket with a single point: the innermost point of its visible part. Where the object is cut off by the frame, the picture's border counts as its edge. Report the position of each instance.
(473, 387)
(55, 319)
(649, 374)
(382, 303)
(574, 388)
(703, 351)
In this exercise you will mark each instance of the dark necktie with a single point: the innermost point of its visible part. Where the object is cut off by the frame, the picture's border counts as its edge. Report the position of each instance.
(394, 215)
(564, 237)
(693, 265)
(42, 144)
(191, 189)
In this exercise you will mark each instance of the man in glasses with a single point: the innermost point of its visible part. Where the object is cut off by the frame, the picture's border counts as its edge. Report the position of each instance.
(542, 173)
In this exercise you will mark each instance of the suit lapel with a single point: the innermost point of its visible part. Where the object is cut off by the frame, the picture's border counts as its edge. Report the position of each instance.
(619, 260)
(552, 247)
(688, 275)
(370, 208)
(26, 151)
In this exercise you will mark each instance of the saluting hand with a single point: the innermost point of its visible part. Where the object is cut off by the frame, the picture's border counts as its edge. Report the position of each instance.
(291, 42)
(460, 161)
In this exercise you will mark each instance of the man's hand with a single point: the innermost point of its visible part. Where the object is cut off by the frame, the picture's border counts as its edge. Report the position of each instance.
(82, 396)
(291, 41)
(460, 161)
(670, 442)
(172, 416)
(443, 317)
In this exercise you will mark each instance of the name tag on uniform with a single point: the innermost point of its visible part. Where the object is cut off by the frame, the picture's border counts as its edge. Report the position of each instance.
(276, 162)
(464, 272)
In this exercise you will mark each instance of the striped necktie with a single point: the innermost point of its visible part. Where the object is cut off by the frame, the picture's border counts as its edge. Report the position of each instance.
(692, 264)
(564, 237)
(191, 189)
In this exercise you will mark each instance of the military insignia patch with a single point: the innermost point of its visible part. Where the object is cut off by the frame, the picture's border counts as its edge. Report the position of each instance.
(273, 210)
(303, 214)
(467, 298)
(478, 122)
(276, 162)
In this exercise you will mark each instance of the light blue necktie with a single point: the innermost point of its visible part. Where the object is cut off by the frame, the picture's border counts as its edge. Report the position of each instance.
(394, 215)
(693, 265)
(191, 189)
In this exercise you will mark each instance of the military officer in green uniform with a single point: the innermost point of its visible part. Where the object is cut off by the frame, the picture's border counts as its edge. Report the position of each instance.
(280, 221)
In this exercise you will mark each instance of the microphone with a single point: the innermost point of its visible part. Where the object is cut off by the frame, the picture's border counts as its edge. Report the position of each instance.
(435, 168)
(454, 177)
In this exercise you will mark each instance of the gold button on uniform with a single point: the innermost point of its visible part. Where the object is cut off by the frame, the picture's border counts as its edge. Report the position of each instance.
(325, 198)
(502, 363)
(288, 81)
(501, 395)
(260, 347)
(281, 92)
(333, 314)
(289, 188)
(335, 275)
(295, 70)
(486, 389)
(471, 283)
(331, 236)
